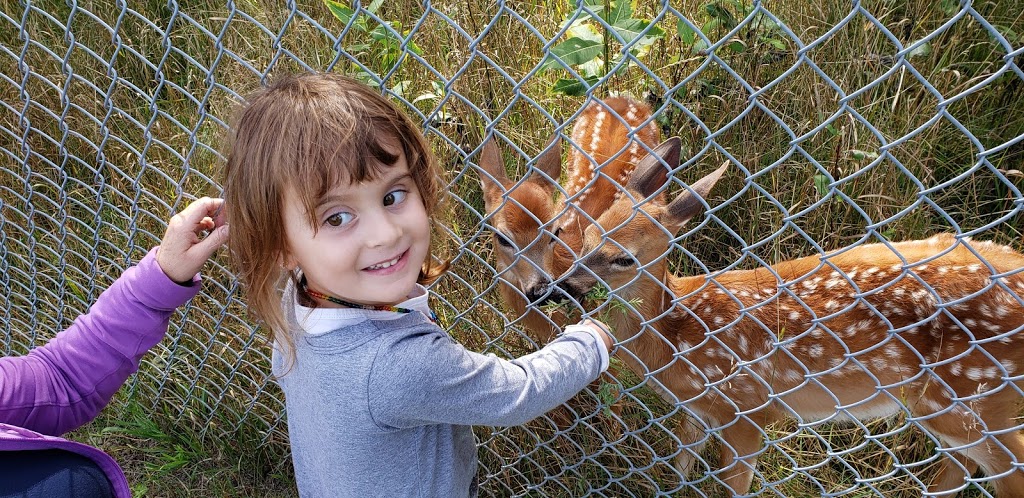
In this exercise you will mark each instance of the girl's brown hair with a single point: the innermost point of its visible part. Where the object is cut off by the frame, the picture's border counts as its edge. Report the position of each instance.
(306, 134)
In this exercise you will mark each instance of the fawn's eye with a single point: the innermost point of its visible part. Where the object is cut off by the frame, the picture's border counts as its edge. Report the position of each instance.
(503, 240)
(624, 261)
(555, 234)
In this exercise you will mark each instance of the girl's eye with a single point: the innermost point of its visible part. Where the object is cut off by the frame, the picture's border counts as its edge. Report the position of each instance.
(623, 261)
(338, 219)
(395, 197)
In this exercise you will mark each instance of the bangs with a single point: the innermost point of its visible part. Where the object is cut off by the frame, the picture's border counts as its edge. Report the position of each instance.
(341, 151)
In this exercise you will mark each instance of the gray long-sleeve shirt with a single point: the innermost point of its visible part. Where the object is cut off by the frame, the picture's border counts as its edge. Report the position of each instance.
(383, 407)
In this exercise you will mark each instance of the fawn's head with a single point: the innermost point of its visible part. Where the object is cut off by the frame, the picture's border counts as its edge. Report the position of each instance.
(634, 233)
(520, 214)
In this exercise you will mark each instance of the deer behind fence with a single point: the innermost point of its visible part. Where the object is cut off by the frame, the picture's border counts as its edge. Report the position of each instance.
(608, 139)
(927, 328)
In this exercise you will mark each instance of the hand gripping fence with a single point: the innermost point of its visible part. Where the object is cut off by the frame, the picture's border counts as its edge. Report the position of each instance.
(839, 316)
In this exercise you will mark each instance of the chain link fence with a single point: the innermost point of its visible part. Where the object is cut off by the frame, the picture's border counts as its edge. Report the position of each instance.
(844, 123)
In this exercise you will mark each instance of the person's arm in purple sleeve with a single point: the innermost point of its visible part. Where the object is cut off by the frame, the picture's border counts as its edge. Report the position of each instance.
(65, 383)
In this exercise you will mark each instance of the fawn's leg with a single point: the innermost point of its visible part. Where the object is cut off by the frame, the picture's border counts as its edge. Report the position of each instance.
(995, 455)
(692, 436)
(741, 441)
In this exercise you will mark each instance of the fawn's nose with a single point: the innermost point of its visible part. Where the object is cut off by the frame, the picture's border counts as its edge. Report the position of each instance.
(538, 293)
(558, 293)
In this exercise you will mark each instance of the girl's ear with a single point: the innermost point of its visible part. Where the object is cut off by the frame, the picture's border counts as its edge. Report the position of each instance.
(287, 261)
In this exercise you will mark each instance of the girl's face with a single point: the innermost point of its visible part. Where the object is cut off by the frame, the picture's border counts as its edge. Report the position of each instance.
(373, 237)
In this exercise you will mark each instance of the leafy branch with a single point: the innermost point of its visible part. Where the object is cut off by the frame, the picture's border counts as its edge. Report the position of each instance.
(591, 37)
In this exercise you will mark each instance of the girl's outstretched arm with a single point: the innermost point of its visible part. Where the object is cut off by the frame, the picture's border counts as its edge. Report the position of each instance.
(428, 378)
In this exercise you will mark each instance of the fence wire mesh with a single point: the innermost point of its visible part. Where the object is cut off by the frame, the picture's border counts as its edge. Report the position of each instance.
(842, 124)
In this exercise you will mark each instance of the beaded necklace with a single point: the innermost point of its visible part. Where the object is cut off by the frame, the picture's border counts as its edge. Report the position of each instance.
(395, 309)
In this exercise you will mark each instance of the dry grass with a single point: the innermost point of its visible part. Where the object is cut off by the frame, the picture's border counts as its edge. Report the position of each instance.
(110, 133)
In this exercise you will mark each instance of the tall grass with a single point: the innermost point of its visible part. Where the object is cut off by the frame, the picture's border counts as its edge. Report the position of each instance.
(112, 119)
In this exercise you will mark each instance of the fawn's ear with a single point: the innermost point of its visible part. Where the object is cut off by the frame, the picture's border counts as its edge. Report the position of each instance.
(493, 180)
(550, 163)
(652, 171)
(688, 203)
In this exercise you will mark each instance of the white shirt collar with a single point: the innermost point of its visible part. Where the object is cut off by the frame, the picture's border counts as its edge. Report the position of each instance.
(317, 321)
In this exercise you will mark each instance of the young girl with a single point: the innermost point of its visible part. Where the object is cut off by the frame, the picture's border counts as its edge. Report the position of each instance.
(330, 191)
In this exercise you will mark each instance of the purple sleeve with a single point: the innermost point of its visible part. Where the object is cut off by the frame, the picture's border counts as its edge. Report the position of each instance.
(64, 384)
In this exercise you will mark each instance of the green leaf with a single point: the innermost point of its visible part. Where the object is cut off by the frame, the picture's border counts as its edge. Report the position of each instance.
(821, 184)
(775, 42)
(584, 31)
(736, 46)
(401, 88)
(621, 11)
(635, 27)
(710, 27)
(685, 32)
(381, 33)
(374, 6)
(608, 393)
(343, 13)
(921, 50)
(573, 51)
(591, 70)
(863, 154)
(699, 46)
(572, 87)
(721, 14)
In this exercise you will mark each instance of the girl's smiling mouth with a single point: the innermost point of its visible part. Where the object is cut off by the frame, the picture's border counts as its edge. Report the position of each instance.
(390, 266)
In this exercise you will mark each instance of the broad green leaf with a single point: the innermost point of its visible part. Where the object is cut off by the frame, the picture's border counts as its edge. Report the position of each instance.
(342, 12)
(776, 43)
(736, 46)
(721, 14)
(821, 184)
(710, 27)
(685, 32)
(382, 33)
(572, 87)
(621, 11)
(699, 46)
(635, 27)
(573, 51)
(374, 6)
(401, 88)
(585, 31)
(591, 69)
(642, 46)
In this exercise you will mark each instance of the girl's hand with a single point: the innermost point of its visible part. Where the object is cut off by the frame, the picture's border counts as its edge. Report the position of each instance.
(184, 249)
(605, 332)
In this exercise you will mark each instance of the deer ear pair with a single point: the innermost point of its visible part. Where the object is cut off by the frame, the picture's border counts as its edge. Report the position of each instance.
(651, 177)
(495, 182)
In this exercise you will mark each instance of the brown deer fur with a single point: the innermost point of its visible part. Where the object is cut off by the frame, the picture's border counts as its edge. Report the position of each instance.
(928, 328)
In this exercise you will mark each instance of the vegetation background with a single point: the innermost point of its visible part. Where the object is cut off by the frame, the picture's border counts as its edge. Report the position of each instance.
(113, 114)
